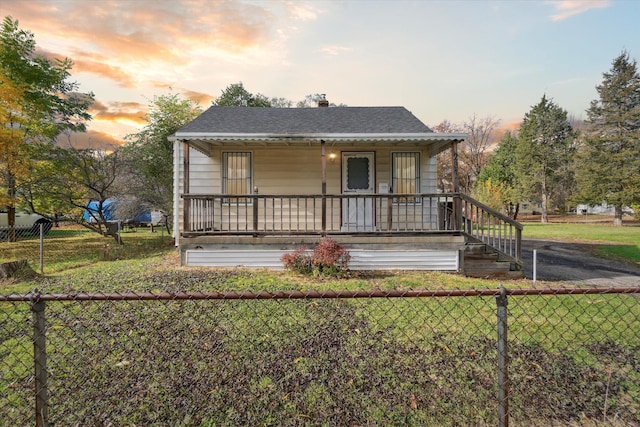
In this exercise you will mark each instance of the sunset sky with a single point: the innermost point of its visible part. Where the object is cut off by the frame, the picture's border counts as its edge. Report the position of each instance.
(439, 59)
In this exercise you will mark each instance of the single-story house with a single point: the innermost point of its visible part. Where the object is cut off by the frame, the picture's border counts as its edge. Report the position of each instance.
(251, 184)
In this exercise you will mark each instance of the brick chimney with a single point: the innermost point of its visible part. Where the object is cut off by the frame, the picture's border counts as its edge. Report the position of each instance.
(322, 102)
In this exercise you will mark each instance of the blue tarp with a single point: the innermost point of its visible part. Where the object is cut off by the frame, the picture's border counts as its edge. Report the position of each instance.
(108, 210)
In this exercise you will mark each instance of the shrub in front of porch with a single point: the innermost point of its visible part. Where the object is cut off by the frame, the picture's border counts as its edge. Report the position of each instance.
(328, 258)
(298, 261)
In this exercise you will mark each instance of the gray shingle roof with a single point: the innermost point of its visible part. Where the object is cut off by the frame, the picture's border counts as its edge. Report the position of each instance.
(294, 121)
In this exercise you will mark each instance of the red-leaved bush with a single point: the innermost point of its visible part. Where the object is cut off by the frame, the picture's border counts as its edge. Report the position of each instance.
(329, 254)
(328, 258)
(298, 261)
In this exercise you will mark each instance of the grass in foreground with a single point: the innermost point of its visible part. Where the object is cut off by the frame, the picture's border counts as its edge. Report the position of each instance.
(319, 362)
(312, 362)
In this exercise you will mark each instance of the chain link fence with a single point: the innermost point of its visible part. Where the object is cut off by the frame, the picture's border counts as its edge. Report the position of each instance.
(443, 357)
(69, 245)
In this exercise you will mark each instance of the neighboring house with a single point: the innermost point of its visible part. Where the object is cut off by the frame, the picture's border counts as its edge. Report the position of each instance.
(530, 207)
(251, 184)
(601, 209)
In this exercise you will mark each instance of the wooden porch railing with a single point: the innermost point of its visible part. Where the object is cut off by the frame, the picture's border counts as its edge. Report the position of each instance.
(335, 214)
(207, 214)
(486, 225)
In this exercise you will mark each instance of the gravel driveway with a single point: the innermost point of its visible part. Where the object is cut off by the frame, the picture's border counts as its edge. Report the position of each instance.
(574, 263)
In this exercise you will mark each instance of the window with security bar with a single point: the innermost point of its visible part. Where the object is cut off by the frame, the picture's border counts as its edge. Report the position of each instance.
(236, 175)
(405, 175)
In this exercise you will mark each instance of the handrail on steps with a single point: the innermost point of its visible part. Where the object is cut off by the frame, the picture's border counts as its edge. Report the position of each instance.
(491, 227)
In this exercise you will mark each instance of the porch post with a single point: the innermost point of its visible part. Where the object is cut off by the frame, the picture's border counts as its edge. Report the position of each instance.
(185, 188)
(323, 156)
(457, 217)
(177, 145)
(390, 211)
(454, 167)
(255, 209)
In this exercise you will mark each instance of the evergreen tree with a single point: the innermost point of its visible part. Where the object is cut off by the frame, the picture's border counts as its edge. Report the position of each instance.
(608, 164)
(544, 151)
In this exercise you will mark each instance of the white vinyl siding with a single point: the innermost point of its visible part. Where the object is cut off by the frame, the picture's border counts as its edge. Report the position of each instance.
(204, 178)
(361, 259)
(429, 174)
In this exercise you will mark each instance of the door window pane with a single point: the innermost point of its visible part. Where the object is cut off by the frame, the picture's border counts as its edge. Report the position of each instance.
(358, 173)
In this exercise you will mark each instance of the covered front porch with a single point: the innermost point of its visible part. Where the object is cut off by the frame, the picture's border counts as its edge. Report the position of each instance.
(382, 231)
(251, 184)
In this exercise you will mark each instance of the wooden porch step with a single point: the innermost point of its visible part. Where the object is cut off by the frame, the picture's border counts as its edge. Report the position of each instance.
(480, 260)
(475, 248)
(482, 256)
(486, 266)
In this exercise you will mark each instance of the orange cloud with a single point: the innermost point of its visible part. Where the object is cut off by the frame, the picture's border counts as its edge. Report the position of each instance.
(102, 69)
(133, 42)
(90, 139)
(199, 97)
(91, 63)
(117, 111)
(512, 127)
(145, 30)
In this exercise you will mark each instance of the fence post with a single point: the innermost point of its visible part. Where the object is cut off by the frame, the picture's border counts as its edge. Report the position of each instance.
(503, 359)
(41, 248)
(40, 360)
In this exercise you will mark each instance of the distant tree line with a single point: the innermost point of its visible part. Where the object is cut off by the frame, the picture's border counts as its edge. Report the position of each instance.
(552, 160)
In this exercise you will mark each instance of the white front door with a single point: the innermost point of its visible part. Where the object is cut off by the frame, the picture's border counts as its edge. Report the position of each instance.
(358, 178)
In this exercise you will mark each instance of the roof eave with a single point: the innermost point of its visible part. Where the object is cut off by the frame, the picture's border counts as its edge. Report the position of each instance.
(317, 137)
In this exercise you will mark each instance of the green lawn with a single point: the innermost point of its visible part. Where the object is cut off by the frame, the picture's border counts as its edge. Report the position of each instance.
(411, 361)
(74, 246)
(420, 361)
(615, 242)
